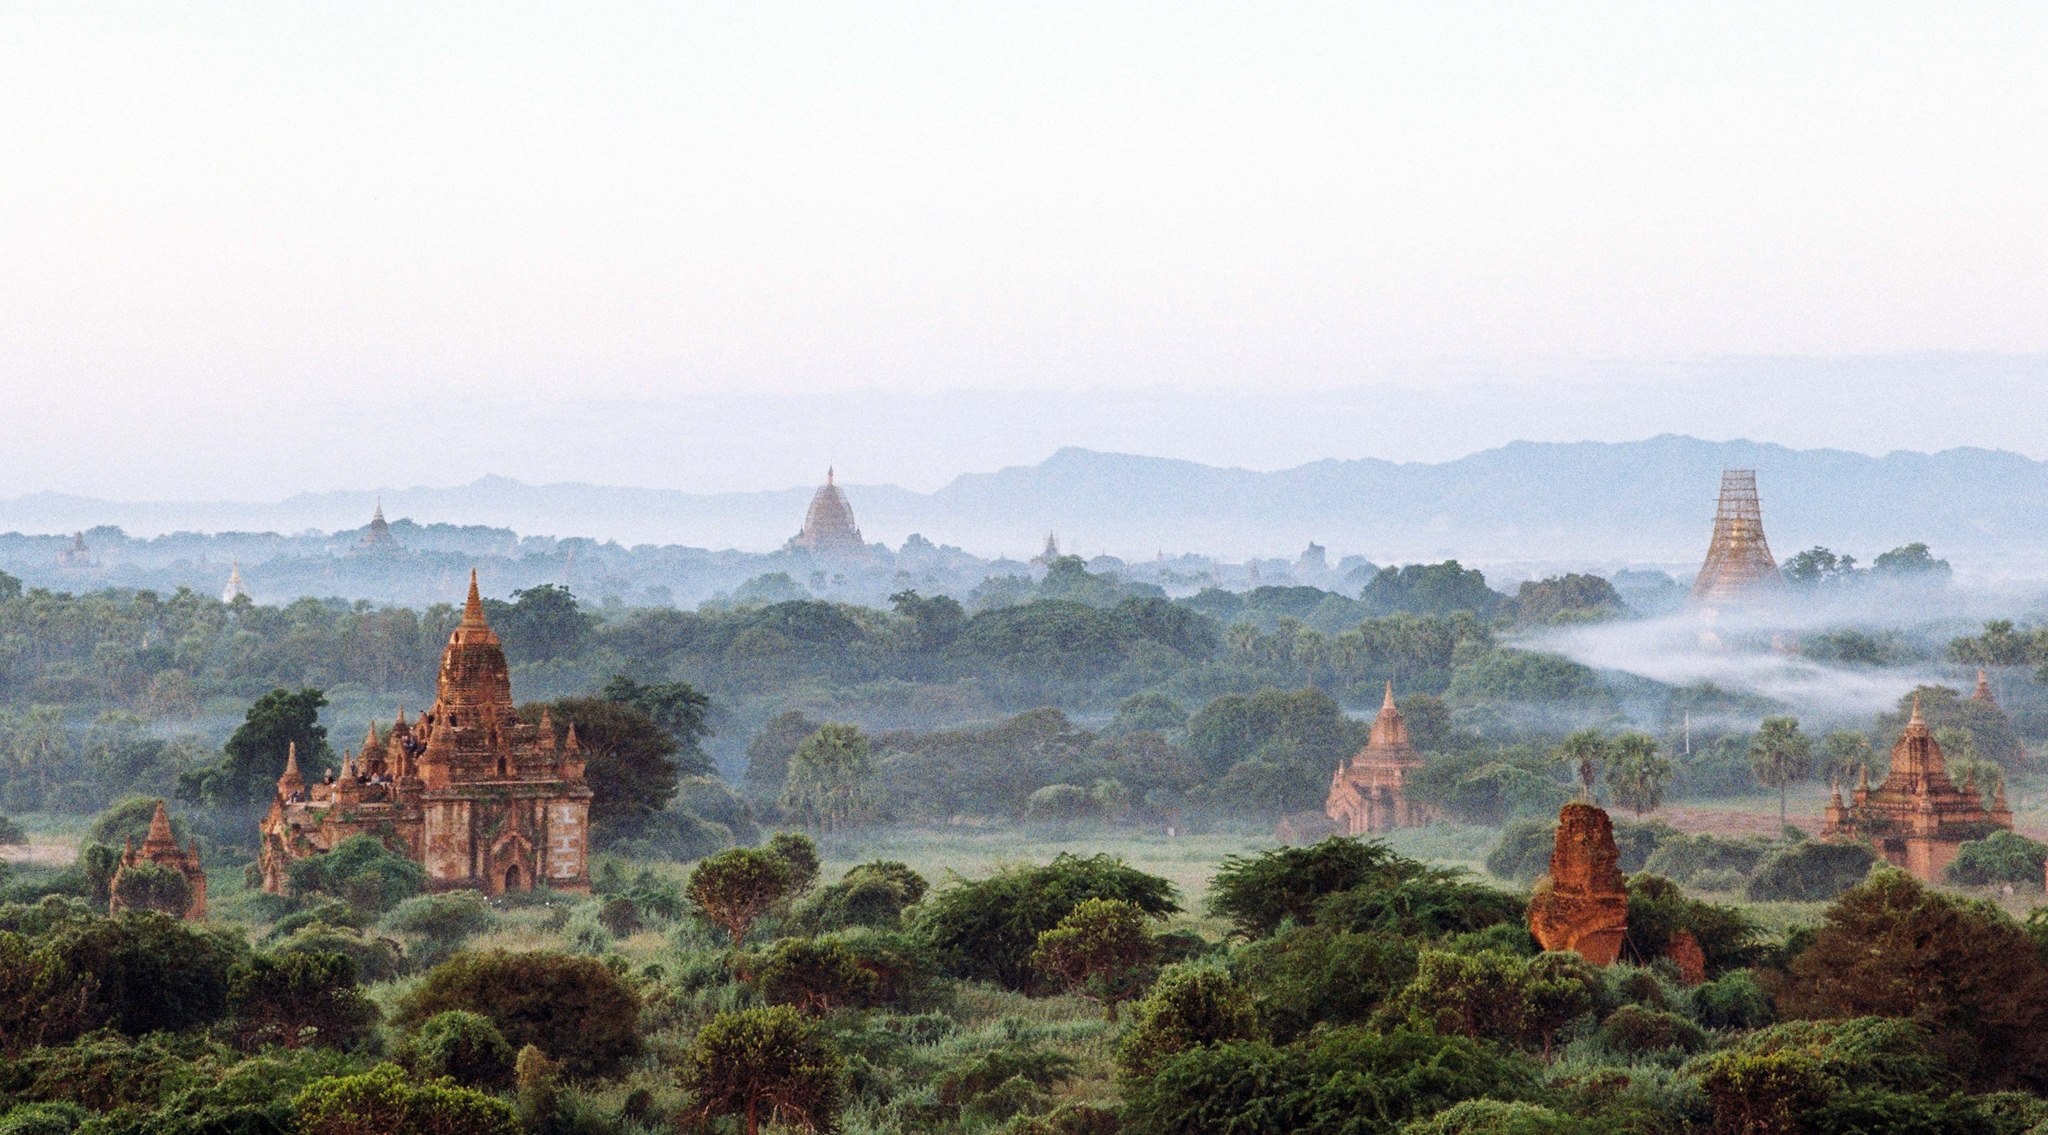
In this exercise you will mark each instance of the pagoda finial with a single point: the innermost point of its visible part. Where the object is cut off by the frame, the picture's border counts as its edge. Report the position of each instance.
(291, 758)
(828, 474)
(160, 829)
(1389, 702)
(473, 607)
(1916, 718)
(572, 744)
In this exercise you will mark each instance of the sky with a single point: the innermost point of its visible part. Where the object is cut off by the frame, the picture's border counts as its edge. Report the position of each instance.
(251, 249)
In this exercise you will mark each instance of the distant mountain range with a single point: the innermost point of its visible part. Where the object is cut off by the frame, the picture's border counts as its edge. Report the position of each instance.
(1592, 503)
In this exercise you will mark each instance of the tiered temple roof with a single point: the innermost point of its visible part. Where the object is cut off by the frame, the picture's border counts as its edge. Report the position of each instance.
(1919, 817)
(1369, 791)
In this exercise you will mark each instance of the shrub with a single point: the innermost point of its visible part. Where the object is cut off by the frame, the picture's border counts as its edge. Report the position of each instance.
(1348, 1080)
(1633, 1029)
(463, 1046)
(1894, 948)
(151, 972)
(435, 926)
(381, 1102)
(871, 894)
(43, 1119)
(376, 959)
(1259, 892)
(1430, 904)
(150, 886)
(1310, 975)
(1100, 950)
(2001, 857)
(987, 929)
(1495, 1117)
(620, 915)
(360, 871)
(1732, 1001)
(765, 1064)
(1812, 872)
(734, 888)
(574, 1008)
(1683, 858)
(1189, 1006)
(291, 1000)
(816, 975)
(1520, 1001)
(1657, 909)
(1058, 804)
(999, 1082)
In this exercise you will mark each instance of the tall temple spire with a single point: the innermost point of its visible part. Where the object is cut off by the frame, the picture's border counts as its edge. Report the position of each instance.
(473, 607)
(159, 831)
(291, 783)
(828, 474)
(1739, 564)
(1388, 702)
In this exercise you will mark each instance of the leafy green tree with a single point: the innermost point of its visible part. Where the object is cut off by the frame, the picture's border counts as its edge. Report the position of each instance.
(1845, 756)
(1891, 947)
(41, 1000)
(541, 623)
(1817, 566)
(1584, 752)
(575, 1008)
(1148, 712)
(1256, 893)
(1570, 596)
(2001, 857)
(1495, 996)
(987, 929)
(1911, 562)
(679, 708)
(1430, 589)
(1306, 976)
(931, 623)
(734, 888)
(360, 871)
(1190, 1006)
(1304, 729)
(1810, 871)
(150, 972)
(381, 1102)
(1100, 950)
(435, 926)
(630, 762)
(1942, 707)
(870, 894)
(293, 1000)
(765, 1064)
(801, 853)
(1780, 756)
(831, 780)
(149, 886)
(816, 975)
(769, 752)
(254, 756)
(463, 1046)
(1637, 773)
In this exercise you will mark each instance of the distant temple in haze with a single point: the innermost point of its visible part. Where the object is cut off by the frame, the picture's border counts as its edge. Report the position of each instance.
(1045, 558)
(1739, 566)
(828, 528)
(377, 537)
(234, 589)
(476, 796)
(77, 555)
(1917, 819)
(1369, 792)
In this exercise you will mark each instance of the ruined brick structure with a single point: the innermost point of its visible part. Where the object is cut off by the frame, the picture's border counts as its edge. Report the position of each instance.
(161, 848)
(1583, 905)
(474, 795)
(828, 528)
(1918, 818)
(1369, 791)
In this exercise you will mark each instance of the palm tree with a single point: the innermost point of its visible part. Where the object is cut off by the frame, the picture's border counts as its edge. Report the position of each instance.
(1585, 751)
(1639, 772)
(1780, 755)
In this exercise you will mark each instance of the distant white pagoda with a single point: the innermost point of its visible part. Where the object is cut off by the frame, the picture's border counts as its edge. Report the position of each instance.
(234, 590)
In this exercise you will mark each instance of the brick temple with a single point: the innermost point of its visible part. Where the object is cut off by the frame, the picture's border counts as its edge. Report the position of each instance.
(1369, 791)
(479, 798)
(161, 848)
(1918, 818)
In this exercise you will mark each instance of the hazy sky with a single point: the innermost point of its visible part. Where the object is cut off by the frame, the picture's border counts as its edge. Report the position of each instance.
(251, 249)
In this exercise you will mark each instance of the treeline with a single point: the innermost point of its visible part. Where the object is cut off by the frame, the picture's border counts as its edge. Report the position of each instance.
(1341, 989)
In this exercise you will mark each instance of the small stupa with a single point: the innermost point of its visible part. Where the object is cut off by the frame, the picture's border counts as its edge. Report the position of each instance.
(828, 528)
(161, 848)
(1369, 791)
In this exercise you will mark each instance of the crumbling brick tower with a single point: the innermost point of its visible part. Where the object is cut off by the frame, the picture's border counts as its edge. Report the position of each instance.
(1739, 566)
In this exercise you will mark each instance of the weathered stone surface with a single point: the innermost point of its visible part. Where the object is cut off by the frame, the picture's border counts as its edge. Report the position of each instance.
(1583, 905)
(1685, 953)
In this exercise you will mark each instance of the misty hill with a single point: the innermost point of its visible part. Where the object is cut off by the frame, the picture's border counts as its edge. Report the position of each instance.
(1591, 502)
